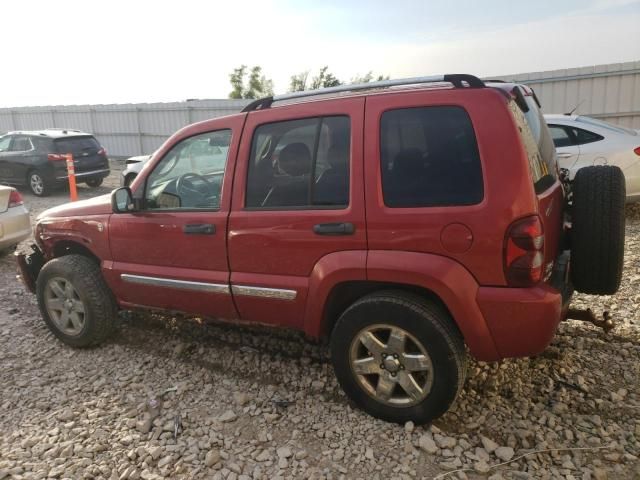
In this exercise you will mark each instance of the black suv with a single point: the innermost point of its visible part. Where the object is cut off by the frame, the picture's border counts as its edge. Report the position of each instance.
(36, 159)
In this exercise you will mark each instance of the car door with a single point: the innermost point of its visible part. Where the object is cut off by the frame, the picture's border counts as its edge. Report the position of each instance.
(566, 147)
(5, 171)
(297, 199)
(172, 253)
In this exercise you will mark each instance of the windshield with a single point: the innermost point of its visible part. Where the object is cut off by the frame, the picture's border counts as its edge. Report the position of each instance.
(607, 125)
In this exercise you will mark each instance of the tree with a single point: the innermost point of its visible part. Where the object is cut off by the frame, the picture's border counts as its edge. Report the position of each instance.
(368, 77)
(298, 82)
(258, 85)
(324, 79)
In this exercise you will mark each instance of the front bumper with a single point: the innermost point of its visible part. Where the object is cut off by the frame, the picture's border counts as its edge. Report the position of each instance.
(29, 266)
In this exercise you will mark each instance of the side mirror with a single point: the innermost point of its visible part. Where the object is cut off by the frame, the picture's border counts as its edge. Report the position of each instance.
(122, 200)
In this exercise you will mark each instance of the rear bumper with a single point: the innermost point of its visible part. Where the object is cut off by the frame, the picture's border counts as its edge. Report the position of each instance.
(522, 321)
(101, 173)
(14, 227)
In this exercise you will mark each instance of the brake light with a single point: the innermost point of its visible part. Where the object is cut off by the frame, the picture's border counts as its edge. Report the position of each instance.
(102, 151)
(55, 157)
(637, 151)
(15, 199)
(524, 252)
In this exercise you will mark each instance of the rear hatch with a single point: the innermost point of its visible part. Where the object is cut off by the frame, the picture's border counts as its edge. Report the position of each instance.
(540, 149)
(87, 153)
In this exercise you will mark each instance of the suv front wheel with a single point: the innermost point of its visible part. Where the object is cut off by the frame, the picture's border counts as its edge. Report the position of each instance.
(398, 357)
(75, 301)
(37, 184)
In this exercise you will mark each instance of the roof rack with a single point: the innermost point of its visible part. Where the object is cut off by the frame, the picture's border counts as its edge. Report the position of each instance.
(458, 80)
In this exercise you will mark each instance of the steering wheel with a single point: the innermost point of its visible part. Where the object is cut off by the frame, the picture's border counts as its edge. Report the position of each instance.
(185, 186)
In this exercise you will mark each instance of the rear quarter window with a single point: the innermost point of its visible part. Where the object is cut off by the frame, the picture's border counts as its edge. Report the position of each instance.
(538, 144)
(429, 157)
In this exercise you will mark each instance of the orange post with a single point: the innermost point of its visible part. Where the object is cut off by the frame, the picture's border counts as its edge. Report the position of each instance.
(71, 173)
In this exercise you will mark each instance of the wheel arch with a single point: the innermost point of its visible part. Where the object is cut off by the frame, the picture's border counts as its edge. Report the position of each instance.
(340, 279)
(70, 247)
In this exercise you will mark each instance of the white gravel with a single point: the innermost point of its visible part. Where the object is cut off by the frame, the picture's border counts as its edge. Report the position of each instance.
(176, 398)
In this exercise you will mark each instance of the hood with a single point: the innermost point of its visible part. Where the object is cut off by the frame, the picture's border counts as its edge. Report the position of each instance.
(94, 206)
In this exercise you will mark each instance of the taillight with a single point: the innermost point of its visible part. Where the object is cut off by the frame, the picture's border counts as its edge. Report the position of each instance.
(15, 199)
(637, 151)
(524, 252)
(102, 152)
(55, 157)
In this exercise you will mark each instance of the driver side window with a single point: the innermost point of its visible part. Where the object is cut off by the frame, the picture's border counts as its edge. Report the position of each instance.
(190, 175)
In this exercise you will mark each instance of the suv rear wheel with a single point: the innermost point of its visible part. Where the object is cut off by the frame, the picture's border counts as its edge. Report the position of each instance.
(597, 231)
(94, 182)
(398, 357)
(75, 302)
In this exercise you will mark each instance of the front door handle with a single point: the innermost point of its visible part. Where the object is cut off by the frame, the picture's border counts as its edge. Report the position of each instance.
(334, 229)
(199, 229)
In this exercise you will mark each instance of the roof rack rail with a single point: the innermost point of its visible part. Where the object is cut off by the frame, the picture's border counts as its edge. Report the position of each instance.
(458, 80)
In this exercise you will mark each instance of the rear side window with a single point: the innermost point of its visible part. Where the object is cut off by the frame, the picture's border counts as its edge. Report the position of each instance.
(21, 144)
(77, 145)
(537, 142)
(429, 157)
(560, 136)
(300, 164)
(584, 136)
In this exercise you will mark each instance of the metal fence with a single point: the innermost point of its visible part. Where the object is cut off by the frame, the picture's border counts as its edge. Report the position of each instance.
(125, 130)
(609, 92)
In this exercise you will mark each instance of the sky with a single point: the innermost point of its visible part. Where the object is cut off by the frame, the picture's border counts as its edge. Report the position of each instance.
(61, 52)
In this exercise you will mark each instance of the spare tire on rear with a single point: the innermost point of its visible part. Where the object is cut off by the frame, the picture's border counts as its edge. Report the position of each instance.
(597, 232)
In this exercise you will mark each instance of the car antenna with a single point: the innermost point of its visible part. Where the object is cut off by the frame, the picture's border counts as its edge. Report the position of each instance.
(575, 108)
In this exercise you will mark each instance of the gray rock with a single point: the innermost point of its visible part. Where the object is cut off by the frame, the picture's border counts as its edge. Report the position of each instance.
(504, 453)
(427, 444)
(228, 416)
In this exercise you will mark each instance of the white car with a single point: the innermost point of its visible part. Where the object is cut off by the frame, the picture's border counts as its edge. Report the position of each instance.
(132, 169)
(15, 225)
(581, 141)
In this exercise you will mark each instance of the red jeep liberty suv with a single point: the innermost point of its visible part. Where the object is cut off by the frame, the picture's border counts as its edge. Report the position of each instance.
(404, 221)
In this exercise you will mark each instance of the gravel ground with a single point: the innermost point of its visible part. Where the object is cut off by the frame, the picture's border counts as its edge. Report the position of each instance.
(182, 398)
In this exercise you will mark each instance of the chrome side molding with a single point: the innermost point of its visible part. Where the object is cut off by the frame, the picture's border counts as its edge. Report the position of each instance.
(276, 293)
(244, 290)
(180, 284)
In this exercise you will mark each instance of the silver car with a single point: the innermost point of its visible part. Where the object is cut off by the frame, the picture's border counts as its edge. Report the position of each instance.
(15, 225)
(132, 169)
(581, 141)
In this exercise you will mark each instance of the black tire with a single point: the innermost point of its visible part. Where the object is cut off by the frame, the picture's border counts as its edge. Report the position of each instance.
(99, 305)
(94, 182)
(37, 184)
(425, 321)
(597, 232)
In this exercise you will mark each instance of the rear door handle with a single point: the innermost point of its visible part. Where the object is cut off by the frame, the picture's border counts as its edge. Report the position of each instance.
(199, 229)
(565, 155)
(334, 229)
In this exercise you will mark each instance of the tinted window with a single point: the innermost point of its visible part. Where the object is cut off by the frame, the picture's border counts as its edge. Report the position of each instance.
(4, 143)
(429, 157)
(584, 136)
(21, 144)
(560, 136)
(540, 150)
(77, 145)
(300, 163)
(190, 175)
